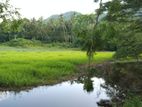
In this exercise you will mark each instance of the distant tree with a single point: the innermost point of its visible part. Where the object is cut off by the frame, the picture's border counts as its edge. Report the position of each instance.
(5, 30)
(63, 27)
(15, 27)
(7, 13)
(30, 29)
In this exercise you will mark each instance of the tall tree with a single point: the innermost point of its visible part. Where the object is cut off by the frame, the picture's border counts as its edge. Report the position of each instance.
(64, 28)
(126, 16)
(7, 10)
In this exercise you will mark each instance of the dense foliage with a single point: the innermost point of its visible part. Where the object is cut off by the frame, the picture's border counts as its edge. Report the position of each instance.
(123, 27)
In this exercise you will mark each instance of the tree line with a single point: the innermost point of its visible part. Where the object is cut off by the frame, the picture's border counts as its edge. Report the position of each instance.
(116, 26)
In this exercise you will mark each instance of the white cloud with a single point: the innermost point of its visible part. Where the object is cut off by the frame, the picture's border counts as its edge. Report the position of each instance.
(46, 8)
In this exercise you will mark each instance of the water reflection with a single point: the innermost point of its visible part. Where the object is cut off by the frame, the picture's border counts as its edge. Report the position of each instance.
(4, 95)
(83, 92)
(121, 79)
(87, 83)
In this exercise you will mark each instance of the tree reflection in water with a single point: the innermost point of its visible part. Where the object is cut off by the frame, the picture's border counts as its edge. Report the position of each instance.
(87, 82)
(121, 80)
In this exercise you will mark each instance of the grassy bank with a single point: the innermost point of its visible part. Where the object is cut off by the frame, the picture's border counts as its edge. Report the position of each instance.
(27, 67)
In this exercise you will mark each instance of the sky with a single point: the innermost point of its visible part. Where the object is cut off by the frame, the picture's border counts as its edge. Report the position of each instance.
(46, 8)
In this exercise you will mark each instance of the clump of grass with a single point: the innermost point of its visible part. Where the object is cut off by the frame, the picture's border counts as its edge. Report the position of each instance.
(30, 68)
(134, 101)
(59, 45)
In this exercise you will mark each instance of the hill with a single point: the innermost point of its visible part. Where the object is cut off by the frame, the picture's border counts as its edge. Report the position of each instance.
(66, 16)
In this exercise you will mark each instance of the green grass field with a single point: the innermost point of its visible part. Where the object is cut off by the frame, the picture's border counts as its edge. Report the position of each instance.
(27, 67)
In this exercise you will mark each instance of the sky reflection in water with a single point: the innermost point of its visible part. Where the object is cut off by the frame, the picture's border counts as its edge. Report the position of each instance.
(66, 94)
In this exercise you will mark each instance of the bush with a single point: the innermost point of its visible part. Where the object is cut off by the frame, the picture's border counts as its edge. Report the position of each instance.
(133, 102)
(20, 42)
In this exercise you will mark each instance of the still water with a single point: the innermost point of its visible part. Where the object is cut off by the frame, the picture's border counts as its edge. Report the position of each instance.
(66, 94)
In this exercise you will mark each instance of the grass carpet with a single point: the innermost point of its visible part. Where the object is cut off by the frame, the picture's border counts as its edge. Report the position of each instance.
(29, 68)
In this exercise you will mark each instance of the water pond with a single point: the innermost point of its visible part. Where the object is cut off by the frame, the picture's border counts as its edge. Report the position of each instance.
(84, 92)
